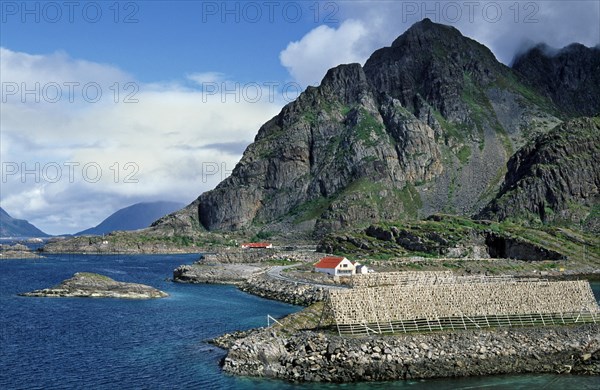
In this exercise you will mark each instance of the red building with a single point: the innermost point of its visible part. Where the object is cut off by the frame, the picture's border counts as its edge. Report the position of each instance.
(257, 245)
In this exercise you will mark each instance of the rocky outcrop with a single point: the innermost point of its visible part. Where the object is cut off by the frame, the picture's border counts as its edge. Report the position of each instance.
(570, 76)
(427, 125)
(90, 285)
(258, 255)
(425, 70)
(285, 291)
(252, 271)
(555, 179)
(308, 356)
(17, 251)
(215, 273)
(441, 235)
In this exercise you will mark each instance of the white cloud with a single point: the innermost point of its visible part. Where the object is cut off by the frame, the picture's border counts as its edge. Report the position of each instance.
(46, 146)
(206, 77)
(324, 47)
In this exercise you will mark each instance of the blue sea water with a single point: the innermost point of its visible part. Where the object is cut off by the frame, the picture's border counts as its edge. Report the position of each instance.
(74, 343)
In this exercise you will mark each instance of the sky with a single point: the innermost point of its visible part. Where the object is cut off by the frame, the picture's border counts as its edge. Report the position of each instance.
(109, 103)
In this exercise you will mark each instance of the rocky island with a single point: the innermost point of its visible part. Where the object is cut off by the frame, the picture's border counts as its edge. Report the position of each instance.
(90, 285)
(17, 251)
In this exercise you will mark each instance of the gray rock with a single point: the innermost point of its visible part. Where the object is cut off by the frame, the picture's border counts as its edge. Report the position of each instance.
(90, 285)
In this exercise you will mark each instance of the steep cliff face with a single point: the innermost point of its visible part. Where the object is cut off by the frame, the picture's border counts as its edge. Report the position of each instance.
(570, 77)
(329, 149)
(426, 126)
(554, 179)
(425, 68)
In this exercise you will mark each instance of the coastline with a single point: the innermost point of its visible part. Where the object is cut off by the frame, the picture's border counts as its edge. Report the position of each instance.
(300, 351)
(307, 356)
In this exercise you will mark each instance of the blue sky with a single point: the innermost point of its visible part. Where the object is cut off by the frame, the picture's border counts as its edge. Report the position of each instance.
(158, 40)
(162, 127)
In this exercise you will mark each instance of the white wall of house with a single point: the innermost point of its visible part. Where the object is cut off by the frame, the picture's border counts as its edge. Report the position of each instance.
(345, 268)
(329, 271)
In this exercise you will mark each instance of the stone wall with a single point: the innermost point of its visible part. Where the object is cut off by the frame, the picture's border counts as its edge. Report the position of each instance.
(427, 301)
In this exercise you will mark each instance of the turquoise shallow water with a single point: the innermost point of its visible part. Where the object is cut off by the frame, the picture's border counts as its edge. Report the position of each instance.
(157, 344)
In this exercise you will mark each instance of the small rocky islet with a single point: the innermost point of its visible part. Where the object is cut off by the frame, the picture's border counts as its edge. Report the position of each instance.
(91, 285)
(17, 251)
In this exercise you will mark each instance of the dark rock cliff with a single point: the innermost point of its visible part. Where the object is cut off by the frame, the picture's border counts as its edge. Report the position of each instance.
(556, 178)
(570, 77)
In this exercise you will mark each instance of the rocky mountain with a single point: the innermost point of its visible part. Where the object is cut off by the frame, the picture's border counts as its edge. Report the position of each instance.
(11, 227)
(427, 125)
(570, 77)
(137, 216)
(555, 179)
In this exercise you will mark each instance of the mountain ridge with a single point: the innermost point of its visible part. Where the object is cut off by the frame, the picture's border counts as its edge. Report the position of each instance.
(134, 217)
(427, 125)
(12, 227)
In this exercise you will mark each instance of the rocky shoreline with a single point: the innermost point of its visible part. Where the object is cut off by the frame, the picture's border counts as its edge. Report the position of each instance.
(306, 353)
(307, 356)
(90, 285)
(248, 271)
(198, 273)
(251, 279)
(283, 291)
(17, 251)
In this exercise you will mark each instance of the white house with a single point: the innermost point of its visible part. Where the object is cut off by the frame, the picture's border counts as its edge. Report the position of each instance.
(360, 268)
(336, 266)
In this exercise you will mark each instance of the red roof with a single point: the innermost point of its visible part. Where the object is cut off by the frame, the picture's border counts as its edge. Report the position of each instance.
(329, 262)
(256, 244)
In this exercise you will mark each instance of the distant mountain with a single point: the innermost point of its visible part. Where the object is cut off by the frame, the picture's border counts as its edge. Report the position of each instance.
(11, 227)
(137, 216)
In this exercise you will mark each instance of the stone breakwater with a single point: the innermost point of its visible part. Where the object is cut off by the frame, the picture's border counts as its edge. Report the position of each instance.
(308, 356)
(283, 290)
